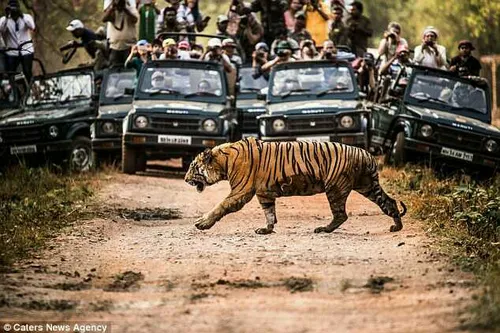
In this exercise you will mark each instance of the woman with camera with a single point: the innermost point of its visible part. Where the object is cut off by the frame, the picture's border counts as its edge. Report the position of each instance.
(430, 53)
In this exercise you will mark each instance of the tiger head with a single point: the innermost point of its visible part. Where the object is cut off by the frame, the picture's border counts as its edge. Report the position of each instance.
(204, 171)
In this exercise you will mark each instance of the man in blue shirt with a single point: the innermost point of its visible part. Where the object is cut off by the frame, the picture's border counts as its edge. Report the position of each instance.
(89, 40)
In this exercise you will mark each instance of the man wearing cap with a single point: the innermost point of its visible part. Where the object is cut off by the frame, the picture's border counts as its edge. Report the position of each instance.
(397, 62)
(15, 29)
(183, 48)
(138, 56)
(465, 63)
(170, 51)
(229, 49)
(338, 30)
(90, 41)
(282, 35)
(222, 22)
(429, 53)
(214, 53)
(259, 58)
(299, 32)
(359, 29)
(283, 54)
(121, 31)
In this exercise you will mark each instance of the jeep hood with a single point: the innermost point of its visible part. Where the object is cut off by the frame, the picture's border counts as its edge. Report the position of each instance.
(453, 120)
(251, 105)
(312, 107)
(176, 107)
(40, 116)
(114, 111)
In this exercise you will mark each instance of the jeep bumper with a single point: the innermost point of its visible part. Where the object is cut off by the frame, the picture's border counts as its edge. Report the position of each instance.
(107, 144)
(358, 139)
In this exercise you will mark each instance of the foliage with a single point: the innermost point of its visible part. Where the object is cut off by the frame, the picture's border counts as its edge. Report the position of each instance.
(34, 205)
(465, 216)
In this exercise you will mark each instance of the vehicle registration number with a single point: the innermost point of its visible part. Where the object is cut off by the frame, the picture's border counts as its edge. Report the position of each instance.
(314, 138)
(457, 154)
(17, 150)
(174, 139)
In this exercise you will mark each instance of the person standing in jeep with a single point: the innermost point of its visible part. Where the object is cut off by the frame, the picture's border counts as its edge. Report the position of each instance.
(16, 28)
(465, 63)
(272, 14)
(359, 29)
(122, 30)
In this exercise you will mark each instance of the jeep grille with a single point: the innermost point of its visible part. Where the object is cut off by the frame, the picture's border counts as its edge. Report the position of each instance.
(22, 135)
(176, 125)
(452, 138)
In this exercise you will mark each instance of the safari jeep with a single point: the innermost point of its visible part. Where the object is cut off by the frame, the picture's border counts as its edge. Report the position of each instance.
(11, 91)
(115, 101)
(439, 116)
(314, 101)
(55, 121)
(249, 107)
(180, 108)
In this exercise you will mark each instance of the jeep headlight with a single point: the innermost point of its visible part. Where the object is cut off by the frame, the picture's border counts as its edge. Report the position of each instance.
(53, 131)
(141, 122)
(491, 145)
(278, 125)
(108, 127)
(209, 125)
(346, 122)
(426, 131)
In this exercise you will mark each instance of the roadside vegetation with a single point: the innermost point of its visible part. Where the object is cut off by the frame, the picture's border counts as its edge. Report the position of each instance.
(464, 216)
(36, 203)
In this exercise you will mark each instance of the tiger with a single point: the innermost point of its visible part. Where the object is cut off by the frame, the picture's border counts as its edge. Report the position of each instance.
(278, 169)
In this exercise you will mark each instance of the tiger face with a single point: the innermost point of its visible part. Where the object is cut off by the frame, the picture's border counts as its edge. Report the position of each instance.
(203, 171)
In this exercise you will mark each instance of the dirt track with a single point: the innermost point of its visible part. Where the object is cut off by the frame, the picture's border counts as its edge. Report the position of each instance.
(228, 279)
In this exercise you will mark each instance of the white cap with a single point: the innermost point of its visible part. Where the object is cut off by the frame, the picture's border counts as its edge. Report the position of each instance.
(214, 42)
(75, 24)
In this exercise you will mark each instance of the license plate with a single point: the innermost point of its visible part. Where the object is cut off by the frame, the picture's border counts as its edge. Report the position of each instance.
(17, 150)
(174, 139)
(314, 138)
(457, 154)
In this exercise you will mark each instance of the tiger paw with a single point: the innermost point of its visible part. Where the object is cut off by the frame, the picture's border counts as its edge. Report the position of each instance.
(322, 229)
(263, 231)
(203, 223)
(395, 227)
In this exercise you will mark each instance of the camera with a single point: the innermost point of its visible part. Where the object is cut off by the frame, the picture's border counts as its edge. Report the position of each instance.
(391, 35)
(282, 53)
(429, 42)
(329, 55)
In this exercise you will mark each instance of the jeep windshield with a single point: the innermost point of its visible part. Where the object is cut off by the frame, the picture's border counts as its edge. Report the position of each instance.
(249, 85)
(312, 82)
(188, 84)
(447, 94)
(59, 90)
(114, 85)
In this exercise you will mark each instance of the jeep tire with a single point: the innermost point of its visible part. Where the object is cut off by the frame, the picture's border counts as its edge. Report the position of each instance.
(129, 160)
(80, 156)
(396, 154)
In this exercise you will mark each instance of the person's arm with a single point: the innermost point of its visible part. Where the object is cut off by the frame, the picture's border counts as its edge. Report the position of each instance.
(442, 57)
(28, 20)
(3, 24)
(385, 68)
(109, 13)
(181, 14)
(418, 55)
(366, 27)
(319, 9)
(132, 14)
(268, 65)
(157, 10)
(382, 47)
(128, 62)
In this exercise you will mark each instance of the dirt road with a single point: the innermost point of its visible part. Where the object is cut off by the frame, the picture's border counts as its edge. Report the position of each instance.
(167, 276)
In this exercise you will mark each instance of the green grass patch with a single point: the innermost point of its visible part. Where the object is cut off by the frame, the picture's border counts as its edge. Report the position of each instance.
(465, 217)
(35, 204)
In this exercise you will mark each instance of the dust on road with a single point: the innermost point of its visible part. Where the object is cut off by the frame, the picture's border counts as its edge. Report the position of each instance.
(154, 274)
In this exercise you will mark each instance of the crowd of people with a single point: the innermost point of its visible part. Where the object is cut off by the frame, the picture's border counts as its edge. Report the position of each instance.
(138, 31)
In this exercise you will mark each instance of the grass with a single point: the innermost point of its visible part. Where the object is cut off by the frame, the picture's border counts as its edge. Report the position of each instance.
(464, 216)
(35, 204)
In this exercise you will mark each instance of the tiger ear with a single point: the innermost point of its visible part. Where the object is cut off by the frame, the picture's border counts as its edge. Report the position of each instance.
(207, 156)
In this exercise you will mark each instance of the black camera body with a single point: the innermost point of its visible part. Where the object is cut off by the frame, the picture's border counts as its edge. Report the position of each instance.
(282, 52)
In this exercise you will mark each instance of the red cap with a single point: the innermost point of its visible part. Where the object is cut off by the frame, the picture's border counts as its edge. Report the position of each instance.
(402, 48)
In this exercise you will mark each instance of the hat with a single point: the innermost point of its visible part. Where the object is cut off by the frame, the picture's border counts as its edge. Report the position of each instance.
(214, 42)
(169, 42)
(13, 4)
(283, 44)
(222, 18)
(300, 14)
(184, 45)
(228, 42)
(430, 29)
(402, 48)
(142, 42)
(157, 74)
(75, 24)
(261, 45)
(466, 43)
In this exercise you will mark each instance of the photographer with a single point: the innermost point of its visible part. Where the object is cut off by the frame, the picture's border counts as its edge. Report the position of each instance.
(229, 49)
(15, 28)
(283, 54)
(465, 63)
(397, 62)
(214, 53)
(122, 30)
(308, 50)
(171, 52)
(259, 58)
(282, 36)
(169, 22)
(249, 31)
(329, 51)
(391, 41)
(430, 54)
(138, 56)
(338, 30)
(366, 74)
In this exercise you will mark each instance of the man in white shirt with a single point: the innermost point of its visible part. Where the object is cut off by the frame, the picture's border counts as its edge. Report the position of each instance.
(122, 30)
(430, 54)
(15, 28)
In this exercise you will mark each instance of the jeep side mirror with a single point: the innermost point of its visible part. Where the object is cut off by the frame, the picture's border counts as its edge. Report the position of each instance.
(129, 91)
